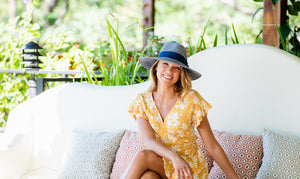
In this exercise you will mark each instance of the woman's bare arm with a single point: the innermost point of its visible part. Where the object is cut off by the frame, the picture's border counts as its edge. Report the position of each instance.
(214, 149)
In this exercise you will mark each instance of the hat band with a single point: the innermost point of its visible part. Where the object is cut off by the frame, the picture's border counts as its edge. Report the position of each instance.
(174, 55)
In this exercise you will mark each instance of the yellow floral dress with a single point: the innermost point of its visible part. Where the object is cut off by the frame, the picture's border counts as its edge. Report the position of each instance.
(177, 130)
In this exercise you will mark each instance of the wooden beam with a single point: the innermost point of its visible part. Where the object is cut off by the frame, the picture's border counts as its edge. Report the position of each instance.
(148, 19)
(273, 15)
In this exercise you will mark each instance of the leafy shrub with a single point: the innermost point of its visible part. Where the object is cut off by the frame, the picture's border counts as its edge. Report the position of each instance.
(13, 35)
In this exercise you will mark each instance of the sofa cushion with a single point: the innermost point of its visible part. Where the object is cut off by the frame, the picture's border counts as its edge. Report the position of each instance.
(281, 156)
(243, 151)
(130, 144)
(91, 154)
(208, 158)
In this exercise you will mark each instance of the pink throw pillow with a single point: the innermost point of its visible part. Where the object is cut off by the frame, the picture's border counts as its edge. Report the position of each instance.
(208, 158)
(245, 153)
(132, 143)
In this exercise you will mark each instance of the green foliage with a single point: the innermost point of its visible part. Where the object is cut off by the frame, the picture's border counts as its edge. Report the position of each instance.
(121, 68)
(216, 40)
(236, 39)
(294, 7)
(85, 19)
(13, 35)
(89, 78)
(202, 44)
(288, 36)
(291, 44)
(281, 38)
(274, 1)
(226, 37)
(76, 44)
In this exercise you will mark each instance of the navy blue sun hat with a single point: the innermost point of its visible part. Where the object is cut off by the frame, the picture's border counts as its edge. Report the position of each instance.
(174, 53)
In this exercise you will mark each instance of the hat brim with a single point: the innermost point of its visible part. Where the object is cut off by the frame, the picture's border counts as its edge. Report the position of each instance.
(147, 62)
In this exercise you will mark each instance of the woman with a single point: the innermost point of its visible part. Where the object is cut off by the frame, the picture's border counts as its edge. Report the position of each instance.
(167, 116)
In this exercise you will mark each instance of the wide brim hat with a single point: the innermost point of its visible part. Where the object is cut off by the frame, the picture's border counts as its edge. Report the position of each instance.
(174, 53)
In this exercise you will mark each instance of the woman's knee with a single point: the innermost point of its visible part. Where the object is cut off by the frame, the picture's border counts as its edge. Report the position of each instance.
(146, 154)
(151, 161)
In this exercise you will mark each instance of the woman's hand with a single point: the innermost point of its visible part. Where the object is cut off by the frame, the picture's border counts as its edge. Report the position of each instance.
(181, 167)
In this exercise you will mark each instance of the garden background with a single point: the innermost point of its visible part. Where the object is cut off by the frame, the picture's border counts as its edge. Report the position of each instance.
(106, 36)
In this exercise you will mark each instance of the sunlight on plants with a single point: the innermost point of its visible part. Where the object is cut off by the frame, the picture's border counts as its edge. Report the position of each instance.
(106, 37)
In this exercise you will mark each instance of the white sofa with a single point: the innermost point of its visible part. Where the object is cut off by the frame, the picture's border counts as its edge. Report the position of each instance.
(251, 88)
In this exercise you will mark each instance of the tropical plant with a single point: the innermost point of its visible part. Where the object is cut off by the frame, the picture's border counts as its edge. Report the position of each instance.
(121, 68)
(85, 19)
(118, 66)
(13, 35)
(202, 44)
(288, 35)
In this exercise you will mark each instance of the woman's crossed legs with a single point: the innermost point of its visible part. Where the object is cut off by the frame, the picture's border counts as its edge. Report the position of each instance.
(146, 164)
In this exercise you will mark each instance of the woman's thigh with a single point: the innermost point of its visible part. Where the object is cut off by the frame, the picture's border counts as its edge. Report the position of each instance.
(154, 162)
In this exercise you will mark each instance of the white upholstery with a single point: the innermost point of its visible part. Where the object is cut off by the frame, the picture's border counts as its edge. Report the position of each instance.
(52, 116)
(250, 87)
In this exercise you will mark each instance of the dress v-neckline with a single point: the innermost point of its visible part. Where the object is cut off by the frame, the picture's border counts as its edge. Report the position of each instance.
(156, 108)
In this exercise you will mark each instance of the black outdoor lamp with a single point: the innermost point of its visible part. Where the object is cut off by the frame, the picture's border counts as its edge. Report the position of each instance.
(30, 56)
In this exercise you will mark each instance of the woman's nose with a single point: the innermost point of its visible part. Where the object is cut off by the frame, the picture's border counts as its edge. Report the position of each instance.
(169, 69)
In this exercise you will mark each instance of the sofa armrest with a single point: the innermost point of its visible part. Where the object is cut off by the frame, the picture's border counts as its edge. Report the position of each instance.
(7, 142)
(15, 155)
(16, 143)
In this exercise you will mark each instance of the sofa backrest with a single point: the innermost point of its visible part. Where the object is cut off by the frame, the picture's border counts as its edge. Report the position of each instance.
(49, 119)
(87, 106)
(251, 87)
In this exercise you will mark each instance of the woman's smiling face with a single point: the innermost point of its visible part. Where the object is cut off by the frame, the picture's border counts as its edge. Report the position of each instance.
(167, 73)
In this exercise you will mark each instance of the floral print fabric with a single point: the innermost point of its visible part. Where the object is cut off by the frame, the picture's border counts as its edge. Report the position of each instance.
(177, 130)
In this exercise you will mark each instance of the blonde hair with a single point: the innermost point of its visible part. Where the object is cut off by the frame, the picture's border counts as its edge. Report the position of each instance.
(182, 86)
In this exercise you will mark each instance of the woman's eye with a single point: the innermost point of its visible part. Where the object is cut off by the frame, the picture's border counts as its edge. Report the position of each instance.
(177, 68)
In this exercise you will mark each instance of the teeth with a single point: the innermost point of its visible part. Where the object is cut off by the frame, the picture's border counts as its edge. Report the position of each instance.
(168, 77)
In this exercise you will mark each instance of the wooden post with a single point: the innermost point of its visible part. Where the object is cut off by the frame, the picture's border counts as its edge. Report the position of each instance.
(273, 15)
(148, 19)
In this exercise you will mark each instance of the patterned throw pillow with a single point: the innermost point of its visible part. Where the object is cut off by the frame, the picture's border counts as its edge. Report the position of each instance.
(281, 156)
(130, 144)
(243, 151)
(92, 154)
(208, 158)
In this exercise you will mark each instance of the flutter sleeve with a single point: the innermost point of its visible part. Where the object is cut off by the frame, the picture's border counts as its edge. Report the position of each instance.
(137, 108)
(201, 108)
